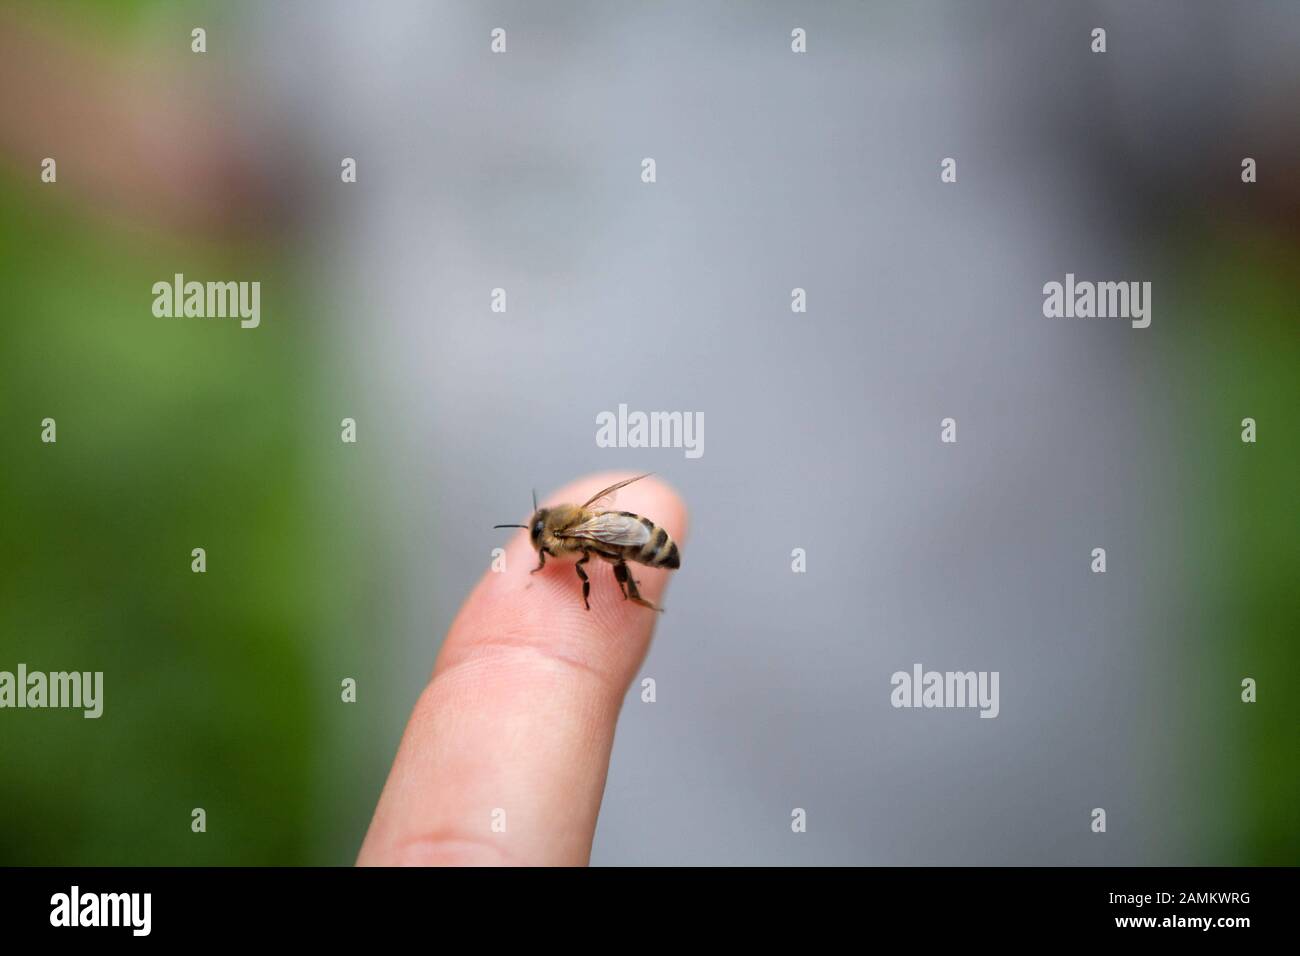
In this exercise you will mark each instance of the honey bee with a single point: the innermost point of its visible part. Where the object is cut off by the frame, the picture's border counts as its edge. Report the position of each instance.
(615, 536)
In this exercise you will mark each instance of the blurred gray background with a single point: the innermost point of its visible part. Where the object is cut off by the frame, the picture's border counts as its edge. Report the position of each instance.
(821, 171)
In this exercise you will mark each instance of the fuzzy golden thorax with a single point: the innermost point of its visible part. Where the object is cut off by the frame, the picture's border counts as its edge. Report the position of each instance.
(546, 525)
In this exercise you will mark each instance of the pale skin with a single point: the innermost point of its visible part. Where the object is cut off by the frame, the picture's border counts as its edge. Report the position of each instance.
(520, 712)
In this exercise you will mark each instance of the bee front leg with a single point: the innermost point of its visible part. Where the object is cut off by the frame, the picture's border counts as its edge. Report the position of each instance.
(541, 561)
(628, 583)
(586, 583)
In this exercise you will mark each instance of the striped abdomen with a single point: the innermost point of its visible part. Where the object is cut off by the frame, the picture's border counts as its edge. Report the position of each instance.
(659, 550)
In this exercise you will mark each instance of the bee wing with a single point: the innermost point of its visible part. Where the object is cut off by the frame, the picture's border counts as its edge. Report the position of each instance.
(608, 493)
(611, 527)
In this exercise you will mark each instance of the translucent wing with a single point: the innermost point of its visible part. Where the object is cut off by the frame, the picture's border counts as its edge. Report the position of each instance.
(608, 493)
(625, 531)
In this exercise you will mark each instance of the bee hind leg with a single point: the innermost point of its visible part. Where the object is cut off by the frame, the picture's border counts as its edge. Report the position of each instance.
(586, 582)
(627, 585)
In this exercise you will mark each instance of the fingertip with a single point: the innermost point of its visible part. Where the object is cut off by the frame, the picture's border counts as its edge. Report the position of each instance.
(521, 711)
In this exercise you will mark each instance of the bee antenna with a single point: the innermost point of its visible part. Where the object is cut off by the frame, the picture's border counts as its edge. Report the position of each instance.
(534, 499)
(510, 526)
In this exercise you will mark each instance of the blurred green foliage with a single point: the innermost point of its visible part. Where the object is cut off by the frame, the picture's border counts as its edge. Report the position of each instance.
(221, 689)
(1240, 544)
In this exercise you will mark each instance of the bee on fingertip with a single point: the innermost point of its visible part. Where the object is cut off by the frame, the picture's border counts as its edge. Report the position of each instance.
(587, 530)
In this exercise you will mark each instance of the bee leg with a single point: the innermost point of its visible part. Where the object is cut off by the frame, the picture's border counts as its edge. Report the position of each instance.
(586, 584)
(632, 594)
(541, 562)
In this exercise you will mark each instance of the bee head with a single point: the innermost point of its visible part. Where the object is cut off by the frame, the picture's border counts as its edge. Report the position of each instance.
(535, 526)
